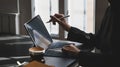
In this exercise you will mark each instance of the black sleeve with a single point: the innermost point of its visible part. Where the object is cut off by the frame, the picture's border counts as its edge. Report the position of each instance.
(78, 35)
(88, 39)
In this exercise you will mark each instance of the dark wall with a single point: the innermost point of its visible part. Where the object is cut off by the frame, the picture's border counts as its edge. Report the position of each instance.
(22, 7)
(8, 6)
(25, 14)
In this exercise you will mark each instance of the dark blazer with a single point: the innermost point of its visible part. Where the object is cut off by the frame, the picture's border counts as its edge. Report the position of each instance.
(106, 40)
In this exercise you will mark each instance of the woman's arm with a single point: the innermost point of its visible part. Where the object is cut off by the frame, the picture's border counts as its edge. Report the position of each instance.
(78, 35)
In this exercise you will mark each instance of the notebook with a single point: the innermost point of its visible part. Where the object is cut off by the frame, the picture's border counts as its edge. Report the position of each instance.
(41, 37)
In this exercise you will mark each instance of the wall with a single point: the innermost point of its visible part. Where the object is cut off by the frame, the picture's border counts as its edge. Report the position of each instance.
(8, 6)
(8, 13)
(7, 24)
(22, 7)
(25, 14)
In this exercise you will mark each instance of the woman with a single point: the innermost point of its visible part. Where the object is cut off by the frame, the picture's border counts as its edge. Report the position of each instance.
(105, 39)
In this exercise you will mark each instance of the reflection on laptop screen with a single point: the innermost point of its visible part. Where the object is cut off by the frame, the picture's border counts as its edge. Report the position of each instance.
(41, 40)
(38, 32)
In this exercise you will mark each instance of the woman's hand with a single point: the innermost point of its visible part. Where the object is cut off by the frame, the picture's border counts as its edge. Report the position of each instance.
(71, 49)
(61, 21)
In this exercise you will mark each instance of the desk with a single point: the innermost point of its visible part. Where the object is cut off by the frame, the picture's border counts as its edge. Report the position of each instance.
(54, 61)
(17, 46)
(60, 62)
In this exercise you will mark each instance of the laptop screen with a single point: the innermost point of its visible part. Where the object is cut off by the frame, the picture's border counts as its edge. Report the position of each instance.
(38, 32)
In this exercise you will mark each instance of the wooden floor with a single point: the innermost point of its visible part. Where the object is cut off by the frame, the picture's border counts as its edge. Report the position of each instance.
(14, 48)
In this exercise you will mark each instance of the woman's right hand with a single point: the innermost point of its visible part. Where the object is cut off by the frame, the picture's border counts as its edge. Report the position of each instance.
(61, 21)
(71, 49)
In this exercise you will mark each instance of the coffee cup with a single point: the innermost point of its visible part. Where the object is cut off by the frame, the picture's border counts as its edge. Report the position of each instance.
(37, 53)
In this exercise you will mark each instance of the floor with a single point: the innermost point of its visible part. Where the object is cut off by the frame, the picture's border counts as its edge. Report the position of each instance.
(13, 49)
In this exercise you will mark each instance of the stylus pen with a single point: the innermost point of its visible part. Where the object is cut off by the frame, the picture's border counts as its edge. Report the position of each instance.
(61, 18)
(65, 16)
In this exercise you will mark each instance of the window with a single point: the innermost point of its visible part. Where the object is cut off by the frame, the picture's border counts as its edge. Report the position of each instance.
(45, 8)
(77, 11)
(81, 13)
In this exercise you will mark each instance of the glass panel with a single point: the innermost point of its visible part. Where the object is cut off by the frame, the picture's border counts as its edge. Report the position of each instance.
(45, 8)
(77, 11)
(81, 14)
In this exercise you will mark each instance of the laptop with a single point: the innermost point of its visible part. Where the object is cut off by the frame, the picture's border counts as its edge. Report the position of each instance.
(41, 37)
